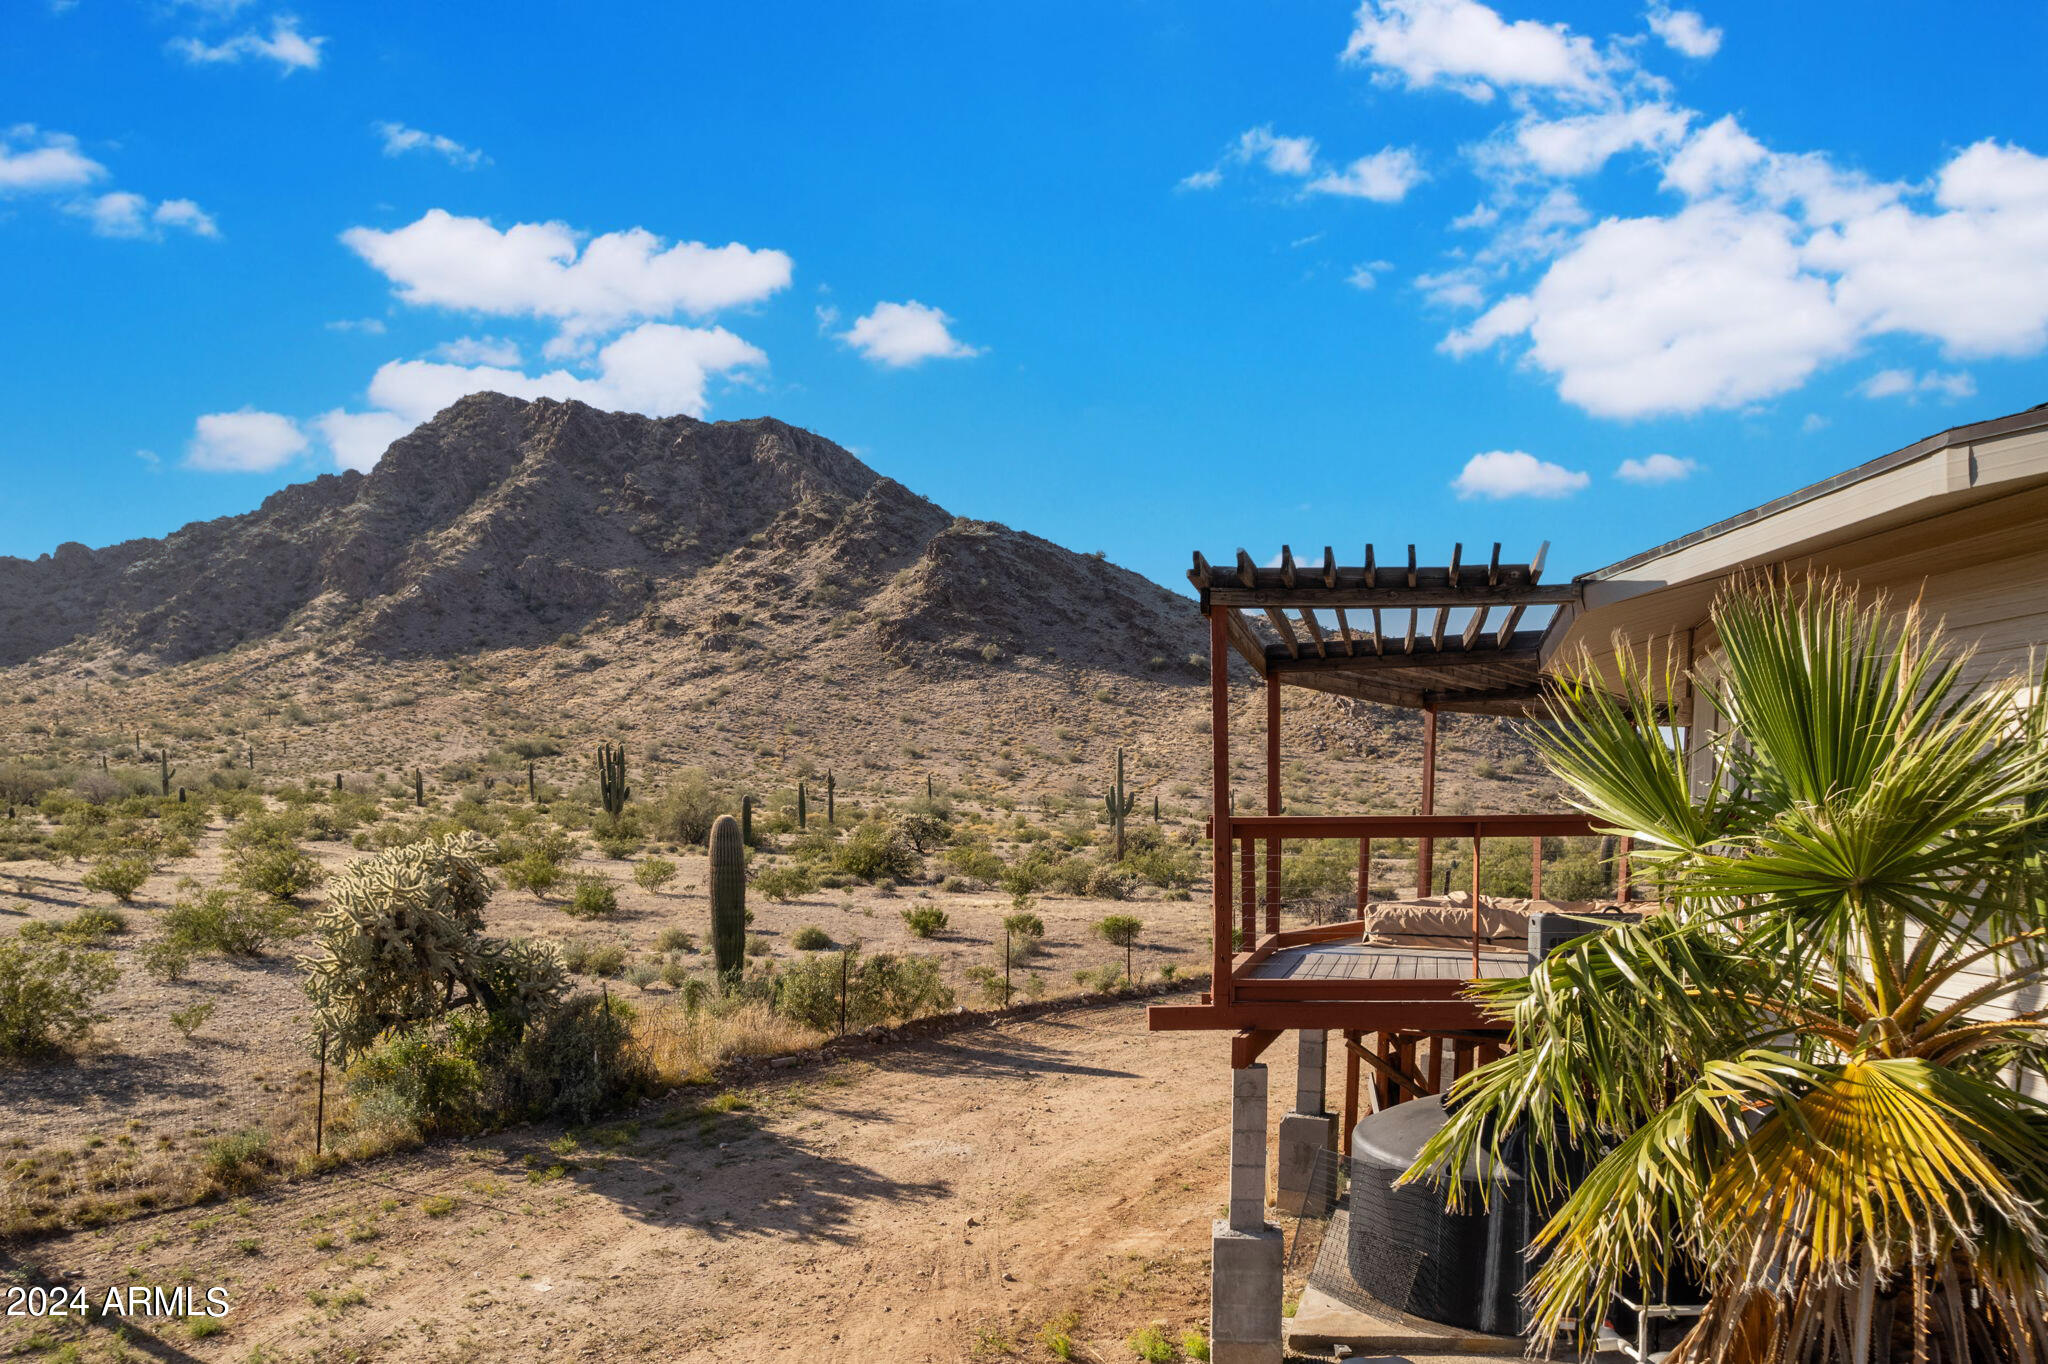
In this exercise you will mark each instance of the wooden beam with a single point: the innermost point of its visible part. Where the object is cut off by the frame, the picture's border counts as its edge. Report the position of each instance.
(1523, 649)
(1507, 628)
(1247, 571)
(1379, 641)
(1424, 594)
(1329, 567)
(1246, 1046)
(1199, 574)
(1315, 631)
(1425, 851)
(1287, 566)
(1493, 567)
(1474, 626)
(1408, 644)
(1536, 564)
(1387, 1067)
(1360, 1016)
(1457, 553)
(1411, 565)
(1249, 989)
(1436, 633)
(1248, 645)
(1279, 622)
(1344, 628)
(1372, 572)
(1273, 801)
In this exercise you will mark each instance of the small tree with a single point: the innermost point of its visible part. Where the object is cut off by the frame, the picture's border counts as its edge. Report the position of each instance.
(47, 991)
(1121, 930)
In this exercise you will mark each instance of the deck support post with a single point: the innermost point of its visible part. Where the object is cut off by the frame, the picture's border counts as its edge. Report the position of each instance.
(1305, 1133)
(1220, 842)
(1425, 849)
(1245, 1249)
(1364, 874)
(1273, 800)
(1536, 867)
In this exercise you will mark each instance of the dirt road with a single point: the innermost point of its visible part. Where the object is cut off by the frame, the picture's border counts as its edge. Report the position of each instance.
(939, 1201)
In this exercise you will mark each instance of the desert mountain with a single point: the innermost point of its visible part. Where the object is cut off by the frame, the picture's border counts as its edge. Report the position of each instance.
(738, 593)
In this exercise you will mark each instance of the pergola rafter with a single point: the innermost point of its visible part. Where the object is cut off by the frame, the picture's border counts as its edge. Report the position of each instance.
(1487, 663)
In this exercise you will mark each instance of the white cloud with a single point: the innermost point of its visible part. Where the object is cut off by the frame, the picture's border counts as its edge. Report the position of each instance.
(1202, 179)
(1581, 144)
(1684, 31)
(399, 139)
(36, 162)
(120, 213)
(243, 442)
(1498, 474)
(657, 368)
(369, 326)
(903, 334)
(1719, 156)
(1709, 308)
(1466, 47)
(357, 440)
(1385, 177)
(1279, 154)
(1456, 288)
(549, 270)
(289, 48)
(1655, 469)
(1481, 215)
(1895, 383)
(1814, 422)
(479, 350)
(1366, 275)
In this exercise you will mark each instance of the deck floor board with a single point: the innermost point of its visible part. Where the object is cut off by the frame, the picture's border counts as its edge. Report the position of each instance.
(1368, 961)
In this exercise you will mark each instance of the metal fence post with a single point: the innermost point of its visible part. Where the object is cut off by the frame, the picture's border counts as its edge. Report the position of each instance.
(320, 1103)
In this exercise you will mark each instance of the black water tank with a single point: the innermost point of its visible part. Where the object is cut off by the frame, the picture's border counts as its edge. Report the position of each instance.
(1461, 1269)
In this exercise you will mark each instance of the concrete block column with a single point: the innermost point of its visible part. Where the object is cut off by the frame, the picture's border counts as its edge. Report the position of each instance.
(1246, 1251)
(1306, 1133)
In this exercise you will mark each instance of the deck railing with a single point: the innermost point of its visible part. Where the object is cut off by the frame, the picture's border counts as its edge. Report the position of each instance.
(1239, 840)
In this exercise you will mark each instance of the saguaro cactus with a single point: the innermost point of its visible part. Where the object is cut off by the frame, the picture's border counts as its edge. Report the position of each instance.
(803, 813)
(747, 820)
(1119, 802)
(611, 778)
(164, 770)
(831, 812)
(529, 781)
(728, 896)
(419, 788)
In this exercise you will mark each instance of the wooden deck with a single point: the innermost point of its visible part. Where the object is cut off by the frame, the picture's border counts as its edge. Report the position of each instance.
(1366, 961)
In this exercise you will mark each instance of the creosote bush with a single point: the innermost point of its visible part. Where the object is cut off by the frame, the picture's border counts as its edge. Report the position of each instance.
(119, 875)
(593, 898)
(653, 873)
(883, 988)
(925, 921)
(811, 938)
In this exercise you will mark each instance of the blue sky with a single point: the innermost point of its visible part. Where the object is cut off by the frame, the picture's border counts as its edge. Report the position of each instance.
(1140, 277)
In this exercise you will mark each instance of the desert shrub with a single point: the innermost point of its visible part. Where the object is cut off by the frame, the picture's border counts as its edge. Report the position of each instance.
(418, 1077)
(811, 938)
(676, 940)
(593, 898)
(1120, 930)
(925, 921)
(1024, 924)
(785, 883)
(1111, 882)
(224, 921)
(280, 871)
(588, 957)
(577, 1062)
(758, 945)
(883, 988)
(91, 925)
(119, 875)
(535, 871)
(685, 809)
(653, 873)
(239, 1162)
(192, 1017)
(1151, 1344)
(877, 851)
(1174, 869)
(644, 973)
(166, 960)
(1069, 875)
(973, 861)
(22, 785)
(48, 990)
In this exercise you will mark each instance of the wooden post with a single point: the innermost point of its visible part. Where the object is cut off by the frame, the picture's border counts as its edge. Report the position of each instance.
(1475, 906)
(1536, 867)
(1273, 800)
(1621, 892)
(1248, 893)
(1350, 1090)
(1364, 873)
(320, 1103)
(1220, 841)
(1425, 849)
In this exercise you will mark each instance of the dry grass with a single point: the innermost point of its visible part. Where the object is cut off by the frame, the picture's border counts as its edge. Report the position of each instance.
(686, 1046)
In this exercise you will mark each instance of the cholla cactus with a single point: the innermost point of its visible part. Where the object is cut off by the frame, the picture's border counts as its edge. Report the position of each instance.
(401, 942)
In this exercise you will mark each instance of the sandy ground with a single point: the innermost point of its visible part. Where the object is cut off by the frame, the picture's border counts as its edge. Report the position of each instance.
(935, 1201)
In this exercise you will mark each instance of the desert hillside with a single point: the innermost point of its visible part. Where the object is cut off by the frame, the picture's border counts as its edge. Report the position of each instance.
(518, 577)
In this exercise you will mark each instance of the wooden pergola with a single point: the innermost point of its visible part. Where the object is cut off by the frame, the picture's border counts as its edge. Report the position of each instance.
(1458, 636)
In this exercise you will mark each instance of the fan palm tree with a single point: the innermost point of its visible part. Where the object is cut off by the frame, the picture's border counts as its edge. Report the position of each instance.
(1799, 1080)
